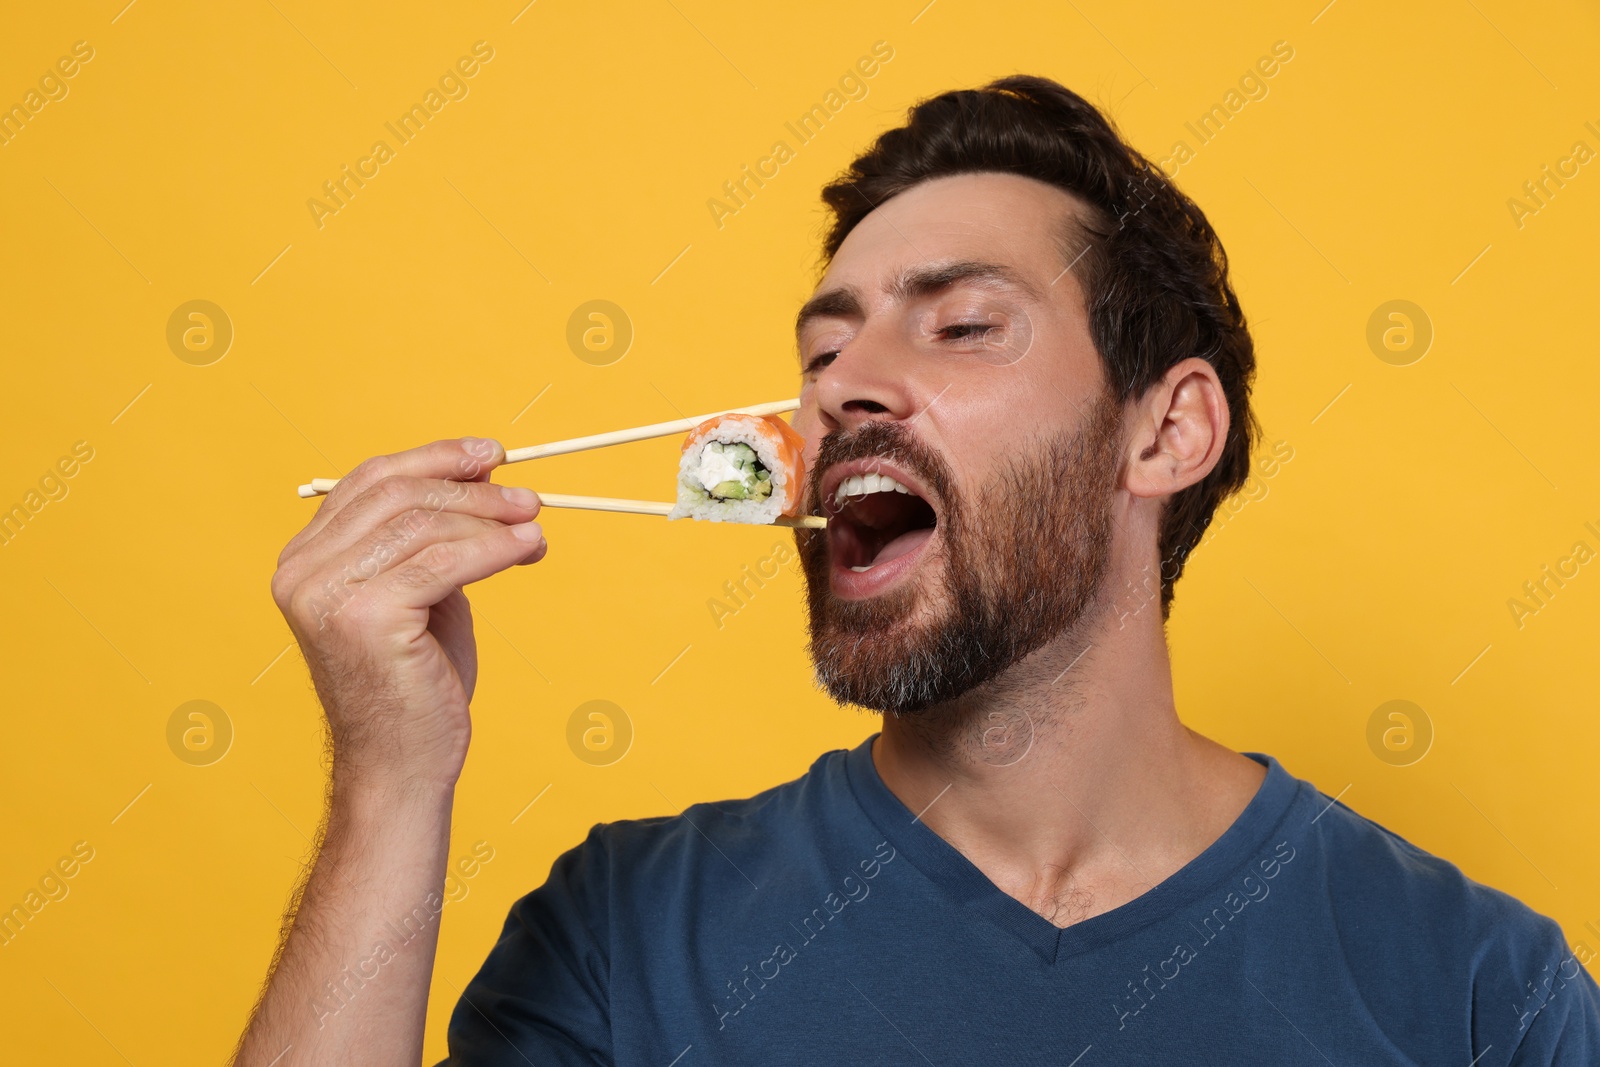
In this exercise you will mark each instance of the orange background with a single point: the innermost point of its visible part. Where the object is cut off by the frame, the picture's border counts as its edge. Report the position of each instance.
(1375, 563)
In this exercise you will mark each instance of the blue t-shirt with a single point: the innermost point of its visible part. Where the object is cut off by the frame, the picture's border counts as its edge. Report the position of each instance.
(820, 922)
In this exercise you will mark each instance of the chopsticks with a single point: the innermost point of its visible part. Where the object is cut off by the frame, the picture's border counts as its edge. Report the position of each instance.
(651, 507)
(321, 486)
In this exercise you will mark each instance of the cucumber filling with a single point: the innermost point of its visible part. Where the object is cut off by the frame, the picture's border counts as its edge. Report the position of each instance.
(730, 470)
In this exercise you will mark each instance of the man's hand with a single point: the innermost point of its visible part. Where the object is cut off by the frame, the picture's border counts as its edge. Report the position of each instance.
(371, 589)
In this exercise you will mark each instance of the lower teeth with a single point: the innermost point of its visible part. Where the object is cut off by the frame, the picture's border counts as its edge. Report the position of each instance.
(858, 570)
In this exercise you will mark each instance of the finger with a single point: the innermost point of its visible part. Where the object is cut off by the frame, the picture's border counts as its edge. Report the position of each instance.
(353, 576)
(538, 553)
(429, 576)
(466, 459)
(399, 496)
(401, 538)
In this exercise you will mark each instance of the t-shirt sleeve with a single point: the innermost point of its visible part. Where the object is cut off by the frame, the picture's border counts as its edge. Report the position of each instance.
(1563, 1020)
(542, 995)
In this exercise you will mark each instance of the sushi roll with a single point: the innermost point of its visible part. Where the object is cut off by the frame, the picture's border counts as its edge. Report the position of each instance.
(740, 468)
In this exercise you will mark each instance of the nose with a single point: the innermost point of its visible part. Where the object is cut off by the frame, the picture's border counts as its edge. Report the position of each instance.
(867, 380)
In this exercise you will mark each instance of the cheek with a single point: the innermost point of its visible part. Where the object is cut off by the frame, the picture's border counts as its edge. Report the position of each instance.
(993, 415)
(1006, 418)
(978, 431)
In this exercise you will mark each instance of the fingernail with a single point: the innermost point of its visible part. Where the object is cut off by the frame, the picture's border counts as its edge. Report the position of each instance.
(478, 446)
(527, 531)
(519, 497)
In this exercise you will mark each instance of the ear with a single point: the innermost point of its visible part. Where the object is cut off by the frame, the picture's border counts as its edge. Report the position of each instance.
(1178, 430)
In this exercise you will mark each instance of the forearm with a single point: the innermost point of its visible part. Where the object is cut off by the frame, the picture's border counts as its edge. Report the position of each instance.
(371, 589)
(351, 981)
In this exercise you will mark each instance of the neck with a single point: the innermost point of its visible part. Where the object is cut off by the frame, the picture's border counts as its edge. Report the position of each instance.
(1069, 780)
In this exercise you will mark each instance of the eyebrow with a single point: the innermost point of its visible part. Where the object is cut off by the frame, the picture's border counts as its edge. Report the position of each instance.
(913, 283)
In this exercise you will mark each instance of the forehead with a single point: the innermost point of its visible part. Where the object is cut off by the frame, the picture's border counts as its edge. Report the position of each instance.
(985, 216)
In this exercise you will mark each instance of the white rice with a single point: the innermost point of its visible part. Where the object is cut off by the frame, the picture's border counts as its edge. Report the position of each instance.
(695, 502)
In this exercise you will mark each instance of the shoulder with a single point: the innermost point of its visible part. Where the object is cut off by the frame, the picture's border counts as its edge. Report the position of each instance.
(714, 841)
(1367, 862)
(805, 796)
(1406, 917)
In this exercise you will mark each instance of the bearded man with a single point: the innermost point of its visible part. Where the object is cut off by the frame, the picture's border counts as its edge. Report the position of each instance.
(1025, 390)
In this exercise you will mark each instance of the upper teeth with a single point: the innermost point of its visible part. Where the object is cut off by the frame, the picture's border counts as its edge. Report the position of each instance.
(863, 484)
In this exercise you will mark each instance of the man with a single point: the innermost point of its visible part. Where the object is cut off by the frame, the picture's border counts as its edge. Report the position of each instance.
(1030, 331)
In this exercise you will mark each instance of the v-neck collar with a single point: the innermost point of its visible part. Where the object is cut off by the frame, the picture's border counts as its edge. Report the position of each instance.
(947, 868)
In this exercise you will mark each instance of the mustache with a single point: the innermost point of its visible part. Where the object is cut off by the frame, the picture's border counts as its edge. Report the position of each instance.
(892, 442)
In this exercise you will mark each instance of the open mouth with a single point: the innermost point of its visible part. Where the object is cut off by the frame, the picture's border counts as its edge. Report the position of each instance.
(877, 518)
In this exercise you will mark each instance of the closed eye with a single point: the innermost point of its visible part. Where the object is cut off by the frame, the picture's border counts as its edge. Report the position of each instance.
(819, 361)
(958, 331)
(962, 331)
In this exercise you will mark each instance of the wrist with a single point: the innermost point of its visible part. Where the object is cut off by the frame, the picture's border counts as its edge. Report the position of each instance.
(366, 797)
(382, 769)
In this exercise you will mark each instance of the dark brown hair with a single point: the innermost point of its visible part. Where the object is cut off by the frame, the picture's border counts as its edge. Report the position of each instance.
(1153, 272)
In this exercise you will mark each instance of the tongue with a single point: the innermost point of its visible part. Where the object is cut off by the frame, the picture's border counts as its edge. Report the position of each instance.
(906, 542)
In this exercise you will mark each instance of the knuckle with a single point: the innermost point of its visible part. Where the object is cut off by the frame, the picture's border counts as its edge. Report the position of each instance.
(283, 586)
(439, 556)
(416, 574)
(300, 607)
(371, 469)
(413, 576)
(393, 489)
(413, 521)
(377, 555)
(364, 475)
(390, 544)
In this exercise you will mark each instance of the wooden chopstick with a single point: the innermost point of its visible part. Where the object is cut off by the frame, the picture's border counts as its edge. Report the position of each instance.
(320, 486)
(652, 507)
(634, 507)
(640, 433)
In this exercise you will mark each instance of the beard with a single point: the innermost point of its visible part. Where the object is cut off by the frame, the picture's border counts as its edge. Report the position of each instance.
(1018, 564)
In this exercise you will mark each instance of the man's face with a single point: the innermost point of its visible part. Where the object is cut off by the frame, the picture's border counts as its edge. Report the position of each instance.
(947, 349)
